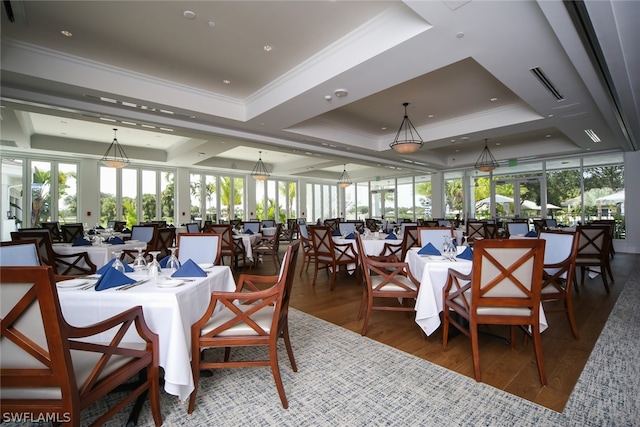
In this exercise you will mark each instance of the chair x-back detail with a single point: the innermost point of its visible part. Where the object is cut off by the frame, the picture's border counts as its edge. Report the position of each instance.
(268, 245)
(165, 238)
(71, 232)
(409, 240)
(47, 366)
(74, 264)
(387, 280)
(330, 255)
(333, 223)
(475, 229)
(371, 224)
(249, 317)
(54, 229)
(229, 247)
(593, 251)
(503, 288)
(561, 250)
(308, 254)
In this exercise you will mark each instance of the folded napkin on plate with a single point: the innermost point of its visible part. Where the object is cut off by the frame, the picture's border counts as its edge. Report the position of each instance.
(350, 236)
(189, 269)
(531, 234)
(163, 261)
(391, 236)
(108, 266)
(248, 231)
(81, 241)
(429, 249)
(466, 254)
(115, 240)
(336, 233)
(112, 278)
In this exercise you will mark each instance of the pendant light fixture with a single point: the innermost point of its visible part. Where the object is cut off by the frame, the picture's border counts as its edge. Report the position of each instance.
(345, 179)
(259, 171)
(486, 162)
(407, 139)
(115, 157)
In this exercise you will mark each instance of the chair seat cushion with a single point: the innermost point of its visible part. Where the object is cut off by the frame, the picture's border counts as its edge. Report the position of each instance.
(263, 318)
(494, 311)
(392, 287)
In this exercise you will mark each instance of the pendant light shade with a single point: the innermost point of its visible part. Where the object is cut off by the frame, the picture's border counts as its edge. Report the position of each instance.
(345, 179)
(259, 171)
(486, 162)
(115, 157)
(407, 139)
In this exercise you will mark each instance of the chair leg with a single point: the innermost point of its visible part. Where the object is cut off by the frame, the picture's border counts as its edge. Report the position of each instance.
(445, 326)
(333, 278)
(363, 302)
(287, 344)
(154, 394)
(315, 275)
(275, 370)
(537, 346)
(475, 350)
(195, 371)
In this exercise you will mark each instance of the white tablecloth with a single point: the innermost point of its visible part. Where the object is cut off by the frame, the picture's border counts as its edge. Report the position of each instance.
(432, 273)
(98, 254)
(248, 240)
(169, 312)
(372, 246)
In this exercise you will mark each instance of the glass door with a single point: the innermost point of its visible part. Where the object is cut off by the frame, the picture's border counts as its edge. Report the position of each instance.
(514, 198)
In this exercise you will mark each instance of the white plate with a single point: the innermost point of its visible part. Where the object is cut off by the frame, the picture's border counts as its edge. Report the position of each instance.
(433, 256)
(72, 283)
(170, 283)
(205, 265)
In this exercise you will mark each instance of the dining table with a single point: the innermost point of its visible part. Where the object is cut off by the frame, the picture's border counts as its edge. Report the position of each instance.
(432, 271)
(170, 307)
(248, 240)
(99, 253)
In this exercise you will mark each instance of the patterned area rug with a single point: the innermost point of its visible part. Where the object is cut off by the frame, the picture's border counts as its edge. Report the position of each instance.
(345, 379)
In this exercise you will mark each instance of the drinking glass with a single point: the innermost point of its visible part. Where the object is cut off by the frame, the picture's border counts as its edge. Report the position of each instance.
(117, 263)
(153, 269)
(173, 263)
(140, 264)
(446, 247)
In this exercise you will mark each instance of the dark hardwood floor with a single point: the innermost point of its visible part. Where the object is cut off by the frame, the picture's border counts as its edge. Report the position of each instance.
(513, 371)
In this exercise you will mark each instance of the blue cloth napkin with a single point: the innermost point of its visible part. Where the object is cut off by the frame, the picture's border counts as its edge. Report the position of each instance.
(108, 266)
(391, 236)
(115, 240)
(531, 234)
(163, 261)
(361, 231)
(112, 278)
(466, 254)
(248, 231)
(350, 236)
(81, 241)
(429, 249)
(189, 269)
(336, 233)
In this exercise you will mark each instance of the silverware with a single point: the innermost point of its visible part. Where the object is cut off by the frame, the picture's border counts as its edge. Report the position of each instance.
(87, 287)
(132, 285)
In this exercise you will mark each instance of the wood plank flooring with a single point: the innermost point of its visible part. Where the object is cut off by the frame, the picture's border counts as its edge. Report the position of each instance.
(513, 371)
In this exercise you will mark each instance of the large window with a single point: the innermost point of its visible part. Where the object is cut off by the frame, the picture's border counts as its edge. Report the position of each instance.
(422, 196)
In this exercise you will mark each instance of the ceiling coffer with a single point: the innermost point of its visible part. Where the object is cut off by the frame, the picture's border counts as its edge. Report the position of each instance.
(542, 78)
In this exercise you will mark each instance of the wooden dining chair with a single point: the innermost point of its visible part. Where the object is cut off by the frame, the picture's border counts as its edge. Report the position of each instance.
(118, 226)
(593, 252)
(308, 254)
(475, 229)
(193, 227)
(331, 256)
(434, 235)
(76, 264)
(387, 280)
(409, 240)
(371, 224)
(267, 223)
(164, 238)
(268, 246)
(560, 253)
(201, 248)
(19, 253)
(333, 223)
(50, 368)
(146, 235)
(490, 231)
(71, 232)
(539, 225)
(249, 317)
(54, 229)
(503, 288)
(229, 247)
(517, 228)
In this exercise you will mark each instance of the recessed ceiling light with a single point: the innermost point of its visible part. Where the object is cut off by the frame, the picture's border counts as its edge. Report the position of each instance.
(431, 116)
(497, 143)
(211, 24)
(460, 35)
(548, 135)
(66, 33)
(267, 48)
(340, 93)
(494, 99)
(189, 14)
(225, 81)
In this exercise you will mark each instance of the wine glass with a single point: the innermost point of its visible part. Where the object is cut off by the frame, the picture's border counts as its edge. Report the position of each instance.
(139, 263)
(173, 263)
(153, 269)
(117, 263)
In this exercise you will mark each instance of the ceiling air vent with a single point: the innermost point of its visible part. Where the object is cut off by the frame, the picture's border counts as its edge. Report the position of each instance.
(547, 83)
(7, 143)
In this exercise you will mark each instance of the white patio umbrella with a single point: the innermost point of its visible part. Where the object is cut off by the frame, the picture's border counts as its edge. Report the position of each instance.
(499, 199)
(612, 198)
